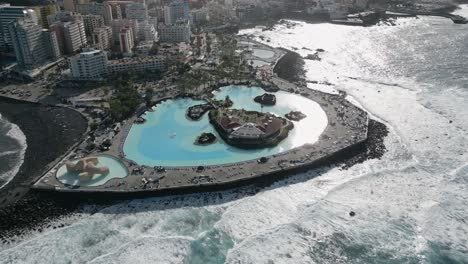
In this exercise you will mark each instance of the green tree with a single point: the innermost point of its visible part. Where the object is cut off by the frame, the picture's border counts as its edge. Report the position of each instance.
(148, 96)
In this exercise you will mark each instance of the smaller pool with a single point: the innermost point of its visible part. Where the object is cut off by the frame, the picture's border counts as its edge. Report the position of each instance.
(263, 54)
(117, 170)
(258, 63)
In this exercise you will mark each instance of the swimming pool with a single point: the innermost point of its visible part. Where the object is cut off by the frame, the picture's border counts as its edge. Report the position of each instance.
(263, 54)
(116, 167)
(167, 137)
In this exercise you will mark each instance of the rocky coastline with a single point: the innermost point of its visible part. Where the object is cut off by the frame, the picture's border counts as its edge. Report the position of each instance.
(34, 210)
(290, 67)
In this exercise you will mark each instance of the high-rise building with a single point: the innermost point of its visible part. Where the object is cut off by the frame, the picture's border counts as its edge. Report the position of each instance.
(199, 15)
(88, 65)
(70, 31)
(70, 5)
(175, 33)
(147, 32)
(126, 40)
(92, 22)
(118, 24)
(43, 11)
(51, 43)
(176, 11)
(102, 38)
(137, 11)
(157, 12)
(33, 45)
(100, 9)
(119, 8)
(153, 21)
(9, 14)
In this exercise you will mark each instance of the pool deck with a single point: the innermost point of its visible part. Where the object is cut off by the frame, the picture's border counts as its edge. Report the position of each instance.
(272, 61)
(346, 129)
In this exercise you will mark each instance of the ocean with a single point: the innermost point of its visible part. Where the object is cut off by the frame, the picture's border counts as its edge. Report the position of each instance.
(12, 148)
(410, 206)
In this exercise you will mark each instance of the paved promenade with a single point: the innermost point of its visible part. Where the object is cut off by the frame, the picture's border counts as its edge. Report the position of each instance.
(347, 127)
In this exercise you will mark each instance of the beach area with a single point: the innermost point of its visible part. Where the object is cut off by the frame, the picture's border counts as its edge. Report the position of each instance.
(50, 132)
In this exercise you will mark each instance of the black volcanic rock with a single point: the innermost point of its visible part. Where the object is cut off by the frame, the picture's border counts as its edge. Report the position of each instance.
(266, 99)
(205, 139)
(295, 115)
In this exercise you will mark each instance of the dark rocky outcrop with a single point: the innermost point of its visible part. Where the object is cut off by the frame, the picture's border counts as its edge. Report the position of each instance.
(295, 115)
(205, 139)
(266, 99)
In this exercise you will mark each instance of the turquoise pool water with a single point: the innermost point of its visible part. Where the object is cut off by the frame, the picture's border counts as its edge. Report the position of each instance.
(262, 53)
(117, 170)
(167, 137)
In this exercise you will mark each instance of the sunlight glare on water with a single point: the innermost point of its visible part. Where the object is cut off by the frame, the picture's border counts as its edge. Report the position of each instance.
(410, 205)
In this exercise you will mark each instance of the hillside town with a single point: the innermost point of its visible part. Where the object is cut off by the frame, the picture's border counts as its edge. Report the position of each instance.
(90, 40)
(86, 53)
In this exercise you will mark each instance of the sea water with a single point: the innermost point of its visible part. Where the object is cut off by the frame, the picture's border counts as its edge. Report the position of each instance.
(12, 149)
(410, 205)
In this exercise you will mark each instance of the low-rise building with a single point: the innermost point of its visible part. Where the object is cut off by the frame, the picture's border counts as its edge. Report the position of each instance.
(92, 64)
(138, 64)
(144, 48)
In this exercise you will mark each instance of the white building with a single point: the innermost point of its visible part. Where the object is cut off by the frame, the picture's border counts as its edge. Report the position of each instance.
(93, 65)
(102, 38)
(176, 11)
(175, 33)
(33, 45)
(91, 22)
(9, 14)
(138, 64)
(88, 65)
(137, 11)
(147, 32)
(126, 42)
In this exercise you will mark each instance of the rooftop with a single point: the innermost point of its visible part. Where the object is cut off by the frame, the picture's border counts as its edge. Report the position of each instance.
(136, 60)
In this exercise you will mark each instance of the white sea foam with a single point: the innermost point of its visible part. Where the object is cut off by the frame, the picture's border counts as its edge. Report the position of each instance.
(410, 205)
(14, 133)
